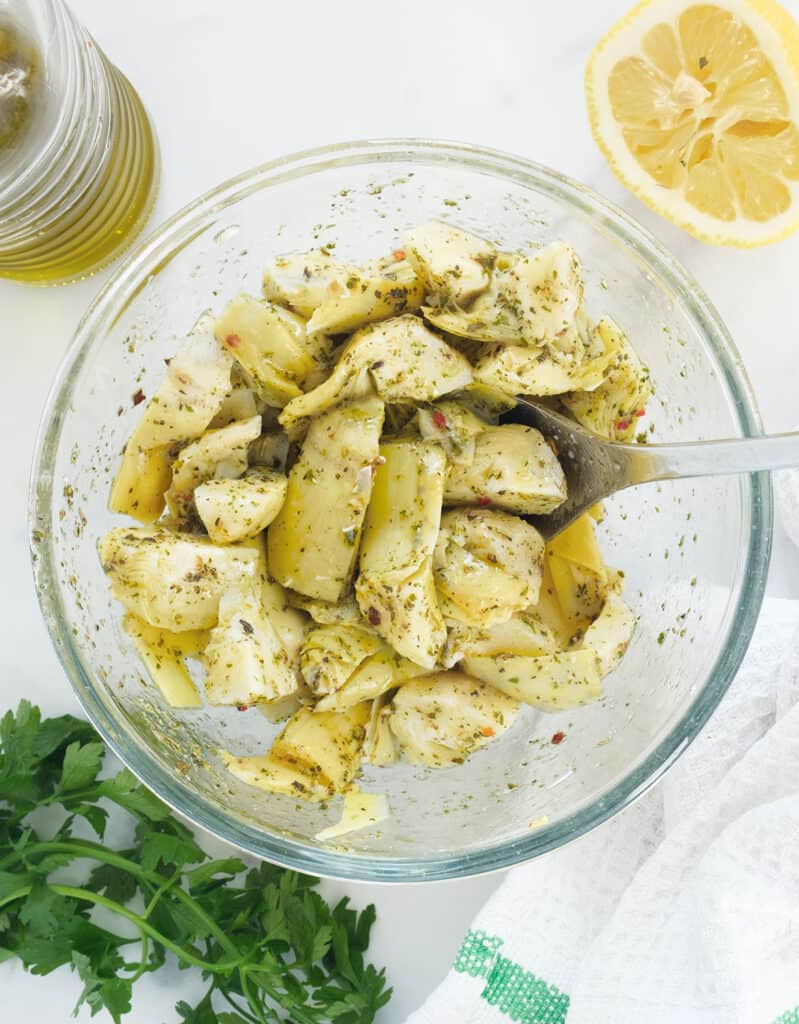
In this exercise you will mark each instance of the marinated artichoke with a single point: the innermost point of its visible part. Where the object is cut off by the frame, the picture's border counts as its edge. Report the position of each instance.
(344, 546)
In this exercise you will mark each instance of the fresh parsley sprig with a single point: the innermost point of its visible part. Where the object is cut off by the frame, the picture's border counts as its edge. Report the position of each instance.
(269, 946)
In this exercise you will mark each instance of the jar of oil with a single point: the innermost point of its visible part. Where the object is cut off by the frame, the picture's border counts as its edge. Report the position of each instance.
(79, 162)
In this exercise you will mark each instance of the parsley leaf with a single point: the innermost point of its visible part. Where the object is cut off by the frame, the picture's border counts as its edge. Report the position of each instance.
(213, 874)
(81, 765)
(116, 884)
(125, 790)
(162, 848)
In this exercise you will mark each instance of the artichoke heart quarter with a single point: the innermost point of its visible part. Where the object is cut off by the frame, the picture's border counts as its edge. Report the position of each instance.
(513, 468)
(245, 657)
(340, 296)
(551, 682)
(395, 587)
(174, 580)
(330, 654)
(400, 359)
(454, 265)
(325, 745)
(272, 346)
(218, 454)
(196, 383)
(614, 408)
(313, 541)
(440, 719)
(233, 510)
(488, 565)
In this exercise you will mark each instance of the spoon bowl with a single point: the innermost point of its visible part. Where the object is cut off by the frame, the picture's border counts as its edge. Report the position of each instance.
(595, 468)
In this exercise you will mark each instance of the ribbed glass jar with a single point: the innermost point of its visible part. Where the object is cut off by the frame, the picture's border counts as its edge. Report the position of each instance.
(79, 177)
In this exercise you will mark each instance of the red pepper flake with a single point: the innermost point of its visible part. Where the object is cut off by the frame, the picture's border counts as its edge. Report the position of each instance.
(483, 500)
(640, 412)
(138, 398)
(243, 707)
(622, 424)
(232, 341)
(399, 254)
(440, 419)
(374, 616)
(558, 737)
(486, 730)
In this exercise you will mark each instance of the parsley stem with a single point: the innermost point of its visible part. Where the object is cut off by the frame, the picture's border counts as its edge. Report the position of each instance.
(167, 883)
(143, 966)
(244, 974)
(213, 928)
(24, 890)
(83, 848)
(237, 1006)
(90, 793)
(94, 851)
(145, 928)
(251, 1000)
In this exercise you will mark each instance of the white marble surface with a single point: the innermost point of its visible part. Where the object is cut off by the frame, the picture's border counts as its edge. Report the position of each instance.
(231, 85)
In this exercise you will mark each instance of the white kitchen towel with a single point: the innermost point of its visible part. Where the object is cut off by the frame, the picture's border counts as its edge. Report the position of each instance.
(684, 908)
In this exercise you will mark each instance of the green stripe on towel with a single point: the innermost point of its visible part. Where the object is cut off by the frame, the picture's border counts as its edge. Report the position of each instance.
(789, 1017)
(516, 992)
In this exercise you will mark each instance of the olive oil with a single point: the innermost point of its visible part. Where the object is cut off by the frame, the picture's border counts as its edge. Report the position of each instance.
(91, 232)
(97, 191)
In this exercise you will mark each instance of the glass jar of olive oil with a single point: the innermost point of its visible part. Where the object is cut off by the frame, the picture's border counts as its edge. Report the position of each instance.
(79, 160)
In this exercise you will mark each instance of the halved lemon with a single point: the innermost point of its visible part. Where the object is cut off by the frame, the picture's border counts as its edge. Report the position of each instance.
(696, 107)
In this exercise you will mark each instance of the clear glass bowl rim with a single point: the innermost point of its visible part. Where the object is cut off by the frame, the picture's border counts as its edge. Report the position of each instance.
(180, 230)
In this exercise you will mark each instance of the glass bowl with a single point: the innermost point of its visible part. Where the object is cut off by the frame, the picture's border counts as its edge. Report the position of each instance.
(695, 553)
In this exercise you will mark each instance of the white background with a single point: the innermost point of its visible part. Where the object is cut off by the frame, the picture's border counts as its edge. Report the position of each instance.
(233, 84)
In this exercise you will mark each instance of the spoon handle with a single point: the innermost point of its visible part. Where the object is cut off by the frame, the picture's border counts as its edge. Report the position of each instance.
(712, 458)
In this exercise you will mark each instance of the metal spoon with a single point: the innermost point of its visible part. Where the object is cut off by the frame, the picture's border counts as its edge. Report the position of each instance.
(596, 468)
